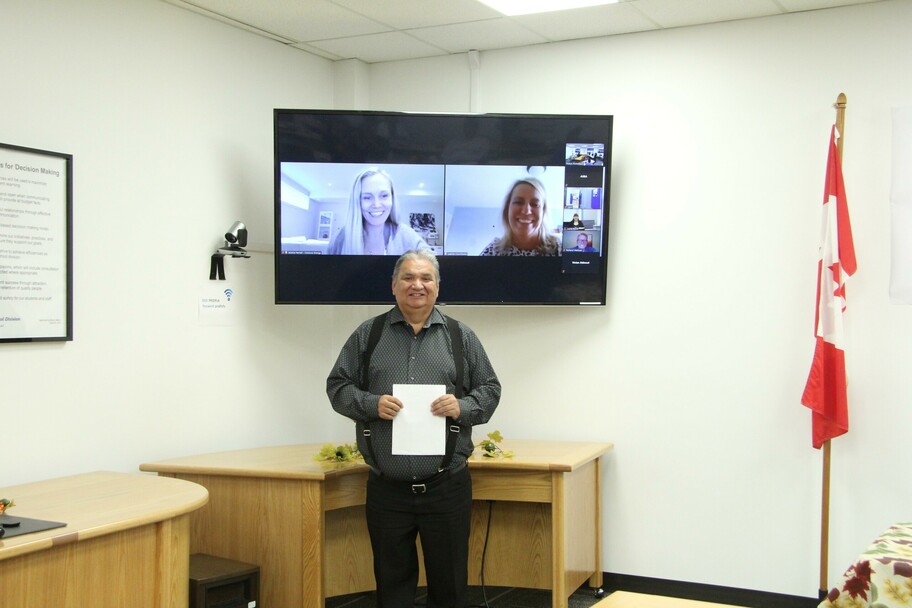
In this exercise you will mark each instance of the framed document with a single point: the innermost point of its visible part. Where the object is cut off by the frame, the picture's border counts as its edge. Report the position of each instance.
(36, 245)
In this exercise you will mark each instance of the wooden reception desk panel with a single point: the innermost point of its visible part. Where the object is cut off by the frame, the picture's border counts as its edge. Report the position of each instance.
(302, 521)
(126, 542)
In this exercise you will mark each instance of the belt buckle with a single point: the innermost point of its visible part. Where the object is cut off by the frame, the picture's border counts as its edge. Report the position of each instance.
(419, 488)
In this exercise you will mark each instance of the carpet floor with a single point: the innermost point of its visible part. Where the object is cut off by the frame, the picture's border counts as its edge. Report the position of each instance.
(497, 597)
(511, 597)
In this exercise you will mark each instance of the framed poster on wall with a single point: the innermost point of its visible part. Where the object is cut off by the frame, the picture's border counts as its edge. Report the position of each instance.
(36, 245)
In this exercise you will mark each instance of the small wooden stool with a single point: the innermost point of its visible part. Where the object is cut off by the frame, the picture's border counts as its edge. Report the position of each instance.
(216, 582)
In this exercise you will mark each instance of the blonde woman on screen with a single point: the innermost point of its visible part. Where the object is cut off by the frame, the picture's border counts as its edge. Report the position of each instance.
(373, 226)
(525, 219)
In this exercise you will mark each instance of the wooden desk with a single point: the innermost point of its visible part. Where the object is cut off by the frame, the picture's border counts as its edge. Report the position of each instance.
(303, 522)
(126, 542)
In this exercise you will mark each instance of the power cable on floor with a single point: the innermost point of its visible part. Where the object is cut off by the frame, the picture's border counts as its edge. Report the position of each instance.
(484, 552)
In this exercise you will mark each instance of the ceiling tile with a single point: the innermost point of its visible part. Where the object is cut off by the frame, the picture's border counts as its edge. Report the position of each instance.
(678, 13)
(296, 20)
(482, 35)
(408, 14)
(588, 22)
(374, 48)
(391, 30)
(810, 5)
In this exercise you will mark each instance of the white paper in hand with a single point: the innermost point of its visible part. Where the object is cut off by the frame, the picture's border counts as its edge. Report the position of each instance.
(416, 431)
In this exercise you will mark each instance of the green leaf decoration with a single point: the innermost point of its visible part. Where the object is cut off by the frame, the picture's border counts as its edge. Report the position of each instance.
(491, 449)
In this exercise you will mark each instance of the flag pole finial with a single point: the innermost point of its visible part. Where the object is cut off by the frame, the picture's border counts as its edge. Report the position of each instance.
(840, 106)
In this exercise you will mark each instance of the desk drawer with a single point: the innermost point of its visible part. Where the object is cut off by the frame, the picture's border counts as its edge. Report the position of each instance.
(519, 486)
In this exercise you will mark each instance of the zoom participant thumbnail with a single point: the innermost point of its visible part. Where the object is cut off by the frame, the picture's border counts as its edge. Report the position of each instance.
(580, 251)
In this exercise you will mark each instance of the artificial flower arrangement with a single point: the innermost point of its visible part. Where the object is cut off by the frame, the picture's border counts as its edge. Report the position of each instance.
(344, 452)
(348, 452)
(491, 449)
(5, 504)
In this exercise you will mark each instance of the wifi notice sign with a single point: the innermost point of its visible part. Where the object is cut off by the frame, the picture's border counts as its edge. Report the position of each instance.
(217, 304)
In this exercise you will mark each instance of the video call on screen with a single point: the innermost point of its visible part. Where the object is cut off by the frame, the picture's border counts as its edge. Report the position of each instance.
(451, 174)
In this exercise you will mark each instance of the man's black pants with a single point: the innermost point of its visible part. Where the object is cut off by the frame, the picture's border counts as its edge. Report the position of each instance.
(441, 515)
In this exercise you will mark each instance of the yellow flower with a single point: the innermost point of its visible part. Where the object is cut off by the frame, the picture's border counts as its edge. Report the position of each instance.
(344, 452)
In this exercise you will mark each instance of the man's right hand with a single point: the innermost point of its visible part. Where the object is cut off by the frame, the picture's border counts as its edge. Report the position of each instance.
(388, 407)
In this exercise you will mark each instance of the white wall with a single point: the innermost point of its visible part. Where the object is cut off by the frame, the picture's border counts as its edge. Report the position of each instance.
(700, 356)
(168, 116)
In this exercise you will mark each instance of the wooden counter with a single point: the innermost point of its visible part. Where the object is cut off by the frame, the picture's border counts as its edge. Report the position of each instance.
(303, 522)
(126, 542)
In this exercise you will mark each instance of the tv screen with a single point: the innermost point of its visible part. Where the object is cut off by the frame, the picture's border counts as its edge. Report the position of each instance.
(515, 206)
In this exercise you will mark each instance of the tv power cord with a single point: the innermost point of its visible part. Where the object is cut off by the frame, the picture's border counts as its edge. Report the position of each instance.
(484, 552)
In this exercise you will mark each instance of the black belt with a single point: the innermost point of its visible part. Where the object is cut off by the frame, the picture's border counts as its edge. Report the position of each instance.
(418, 487)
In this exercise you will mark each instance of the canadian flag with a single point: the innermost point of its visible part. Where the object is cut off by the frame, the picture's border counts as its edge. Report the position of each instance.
(825, 391)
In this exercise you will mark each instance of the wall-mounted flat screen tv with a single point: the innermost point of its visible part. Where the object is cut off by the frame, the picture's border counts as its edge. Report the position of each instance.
(515, 206)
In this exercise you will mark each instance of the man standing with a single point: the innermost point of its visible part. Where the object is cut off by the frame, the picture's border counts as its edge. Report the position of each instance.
(410, 496)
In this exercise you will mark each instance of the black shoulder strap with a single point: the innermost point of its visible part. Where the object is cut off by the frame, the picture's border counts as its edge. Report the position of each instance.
(456, 341)
(452, 427)
(372, 340)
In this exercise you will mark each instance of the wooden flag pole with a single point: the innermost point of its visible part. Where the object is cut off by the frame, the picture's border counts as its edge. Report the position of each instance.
(825, 491)
(825, 522)
(840, 121)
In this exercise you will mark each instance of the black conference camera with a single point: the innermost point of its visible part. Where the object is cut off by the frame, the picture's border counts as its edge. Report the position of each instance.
(235, 241)
(236, 235)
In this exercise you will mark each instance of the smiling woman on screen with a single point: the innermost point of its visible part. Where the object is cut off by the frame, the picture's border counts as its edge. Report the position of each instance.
(525, 219)
(372, 226)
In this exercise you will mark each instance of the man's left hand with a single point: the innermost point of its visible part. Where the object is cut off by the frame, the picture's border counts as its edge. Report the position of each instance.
(447, 405)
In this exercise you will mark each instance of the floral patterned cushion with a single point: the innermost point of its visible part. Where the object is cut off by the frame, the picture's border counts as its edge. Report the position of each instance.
(882, 575)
